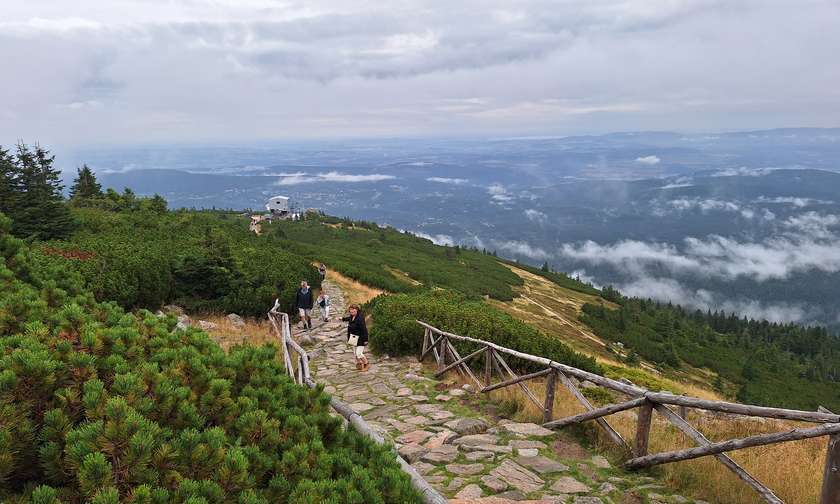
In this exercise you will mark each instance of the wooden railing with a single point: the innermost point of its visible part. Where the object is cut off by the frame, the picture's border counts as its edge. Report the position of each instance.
(439, 344)
(296, 362)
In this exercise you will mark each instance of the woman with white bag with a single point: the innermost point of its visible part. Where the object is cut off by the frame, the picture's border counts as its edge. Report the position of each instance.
(357, 335)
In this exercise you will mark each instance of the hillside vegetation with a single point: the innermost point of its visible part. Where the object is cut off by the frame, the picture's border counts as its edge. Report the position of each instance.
(393, 261)
(104, 406)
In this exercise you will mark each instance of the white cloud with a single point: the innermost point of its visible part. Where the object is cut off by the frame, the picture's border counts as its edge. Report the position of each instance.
(446, 180)
(648, 160)
(669, 289)
(437, 239)
(521, 248)
(705, 205)
(809, 246)
(499, 193)
(534, 215)
(743, 172)
(333, 176)
(794, 201)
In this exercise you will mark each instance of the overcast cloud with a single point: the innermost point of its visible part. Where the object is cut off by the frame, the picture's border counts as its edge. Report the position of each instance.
(129, 71)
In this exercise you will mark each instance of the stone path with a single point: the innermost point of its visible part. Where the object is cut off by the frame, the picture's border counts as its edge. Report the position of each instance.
(438, 428)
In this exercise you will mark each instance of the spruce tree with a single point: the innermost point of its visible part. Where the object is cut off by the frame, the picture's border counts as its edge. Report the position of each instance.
(85, 186)
(40, 209)
(8, 182)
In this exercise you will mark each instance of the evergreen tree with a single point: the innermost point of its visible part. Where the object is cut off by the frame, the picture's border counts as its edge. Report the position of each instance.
(157, 204)
(85, 186)
(8, 182)
(40, 210)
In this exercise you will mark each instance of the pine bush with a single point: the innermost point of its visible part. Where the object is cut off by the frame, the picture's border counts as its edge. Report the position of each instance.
(103, 406)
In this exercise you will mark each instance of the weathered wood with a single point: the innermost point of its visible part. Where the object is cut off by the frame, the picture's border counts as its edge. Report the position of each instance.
(466, 369)
(612, 433)
(823, 409)
(441, 358)
(524, 387)
(732, 444)
(426, 332)
(432, 347)
(743, 409)
(645, 415)
(624, 388)
(460, 361)
(684, 412)
(550, 384)
(488, 366)
(595, 413)
(517, 379)
(724, 459)
(831, 472)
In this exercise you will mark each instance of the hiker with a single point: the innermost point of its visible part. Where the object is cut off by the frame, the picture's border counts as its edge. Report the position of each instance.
(323, 303)
(322, 270)
(303, 302)
(357, 335)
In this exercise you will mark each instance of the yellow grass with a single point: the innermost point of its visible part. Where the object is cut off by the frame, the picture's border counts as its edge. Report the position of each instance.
(354, 292)
(402, 275)
(255, 332)
(793, 471)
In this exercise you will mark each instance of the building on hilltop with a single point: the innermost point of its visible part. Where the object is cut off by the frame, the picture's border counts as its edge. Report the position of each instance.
(278, 206)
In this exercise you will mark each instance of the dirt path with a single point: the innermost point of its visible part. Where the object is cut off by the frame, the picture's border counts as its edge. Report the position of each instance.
(437, 427)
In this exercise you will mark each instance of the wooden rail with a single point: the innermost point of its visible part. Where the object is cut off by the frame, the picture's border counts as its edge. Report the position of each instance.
(440, 344)
(296, 362)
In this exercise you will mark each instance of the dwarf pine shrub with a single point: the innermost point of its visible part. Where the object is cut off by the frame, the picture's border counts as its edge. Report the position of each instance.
(103, 406)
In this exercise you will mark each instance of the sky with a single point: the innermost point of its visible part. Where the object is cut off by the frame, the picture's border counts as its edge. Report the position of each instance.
(98, 72)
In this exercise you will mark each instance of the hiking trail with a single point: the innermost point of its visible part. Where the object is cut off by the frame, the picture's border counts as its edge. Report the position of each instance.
(469, 457)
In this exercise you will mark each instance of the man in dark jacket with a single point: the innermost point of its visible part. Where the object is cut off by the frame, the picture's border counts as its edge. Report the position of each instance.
(303, 302)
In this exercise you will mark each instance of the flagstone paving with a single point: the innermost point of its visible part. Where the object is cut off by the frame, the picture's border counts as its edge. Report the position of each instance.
(468, 457)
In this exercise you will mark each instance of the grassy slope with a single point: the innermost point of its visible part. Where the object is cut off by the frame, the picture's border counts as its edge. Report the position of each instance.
(554, 310)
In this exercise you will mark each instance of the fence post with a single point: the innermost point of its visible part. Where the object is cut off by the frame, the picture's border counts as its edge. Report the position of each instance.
(548, 410)
(831, 473)
(488, 366)
(683, 412)
(442, 353)
(425, 342)
(640, 446)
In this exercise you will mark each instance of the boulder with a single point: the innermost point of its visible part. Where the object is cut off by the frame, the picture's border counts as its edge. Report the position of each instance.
(236, 321)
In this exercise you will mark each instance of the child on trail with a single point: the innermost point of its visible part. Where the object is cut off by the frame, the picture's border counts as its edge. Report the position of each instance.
(303, 302)
(323, 302)
(357, 334)
(322, 270)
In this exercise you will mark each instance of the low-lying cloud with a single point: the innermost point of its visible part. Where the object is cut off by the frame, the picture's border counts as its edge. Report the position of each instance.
(534, 215)
(447, 180)
(648, 160)
(437, 239)
(808, 242)
(521, 248)
(333, 176)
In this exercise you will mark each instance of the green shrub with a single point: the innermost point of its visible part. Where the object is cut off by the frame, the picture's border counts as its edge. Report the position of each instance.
(396, 332)
(204, 261)
(103, 406)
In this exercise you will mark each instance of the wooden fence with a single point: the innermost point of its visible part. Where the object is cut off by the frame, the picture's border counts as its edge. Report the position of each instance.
(440, 345)
(296, 362)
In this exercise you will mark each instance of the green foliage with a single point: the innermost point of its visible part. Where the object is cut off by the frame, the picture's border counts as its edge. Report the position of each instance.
(30, 193)
(772, 364)
(205, 261)
(372, 255)
(396, 332)
(103, 406)
(85, 186)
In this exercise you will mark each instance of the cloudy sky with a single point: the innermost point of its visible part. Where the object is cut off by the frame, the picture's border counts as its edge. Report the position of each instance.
(128, 71)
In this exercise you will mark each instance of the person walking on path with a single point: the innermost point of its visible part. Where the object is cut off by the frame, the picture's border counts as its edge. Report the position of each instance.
(303, 302)
(323, 303)
(322, 270)
(357, 335)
